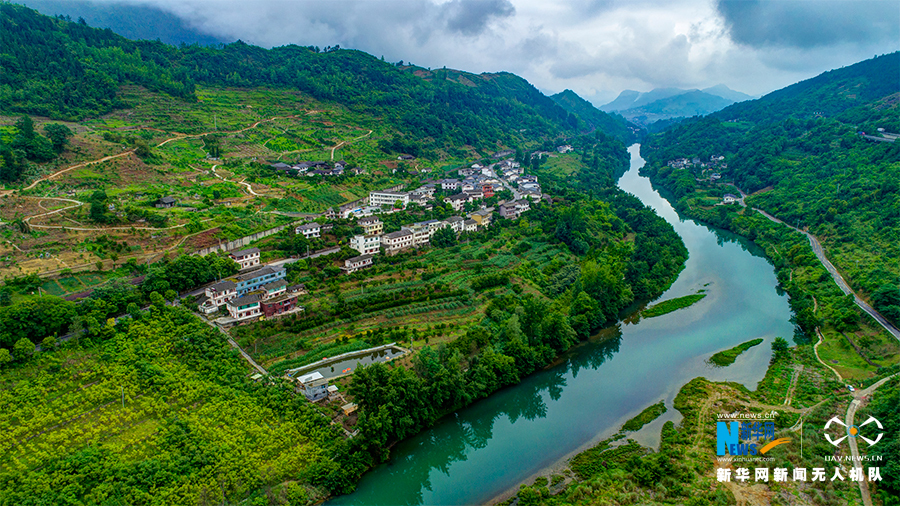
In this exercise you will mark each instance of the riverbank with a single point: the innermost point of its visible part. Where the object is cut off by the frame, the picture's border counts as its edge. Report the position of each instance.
(599, 384)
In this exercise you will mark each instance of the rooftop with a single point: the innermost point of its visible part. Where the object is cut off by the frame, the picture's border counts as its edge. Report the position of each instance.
(245, 252)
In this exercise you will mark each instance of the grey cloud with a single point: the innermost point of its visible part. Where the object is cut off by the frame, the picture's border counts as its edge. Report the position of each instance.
(808, 24)
(471, 17)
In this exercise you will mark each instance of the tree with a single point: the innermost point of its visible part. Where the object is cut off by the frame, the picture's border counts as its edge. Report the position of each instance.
(157, 300)
(48, 343)
(5, 357)
(59, 135)
(443, 238)
(779, 348)
(23, 349)
(141, 148)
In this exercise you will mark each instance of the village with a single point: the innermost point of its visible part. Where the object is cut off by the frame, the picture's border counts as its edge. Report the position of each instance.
(261, 291)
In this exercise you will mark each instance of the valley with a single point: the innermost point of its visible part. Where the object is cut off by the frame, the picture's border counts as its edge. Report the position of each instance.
(294, 276)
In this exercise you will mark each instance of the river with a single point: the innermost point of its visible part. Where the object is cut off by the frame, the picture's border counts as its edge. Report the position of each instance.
(487, 449)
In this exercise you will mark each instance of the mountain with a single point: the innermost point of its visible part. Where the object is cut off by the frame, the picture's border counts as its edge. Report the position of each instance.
(136, 22)
(625, 100)
(668, 103)
(720, 90)
(89, 65)
(612, 124)
(685, 105)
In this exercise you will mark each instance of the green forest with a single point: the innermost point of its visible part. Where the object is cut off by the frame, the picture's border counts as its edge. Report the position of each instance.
(66, 70)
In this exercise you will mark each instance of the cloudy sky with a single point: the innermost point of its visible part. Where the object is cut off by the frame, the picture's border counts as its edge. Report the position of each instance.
(595, 47)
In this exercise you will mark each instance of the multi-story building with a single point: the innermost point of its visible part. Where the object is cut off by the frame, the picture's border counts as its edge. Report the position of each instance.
(458, 201)
(309, 230)
(450, 184)
(250, 281)
(372, 225)
(380, 198)
(396, 242)
(420, 233)
(356, 263)
(512, 210)
(216, 295)
(366, 244)
(455, 223)
(279, 304)
(470, 226)
(246, 258)
(246, 306)
(482, 217)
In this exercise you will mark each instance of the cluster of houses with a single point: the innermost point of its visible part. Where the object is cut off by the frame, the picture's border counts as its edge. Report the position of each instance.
(316, 168)
(252, 294)
(419, 234)
(715, 162)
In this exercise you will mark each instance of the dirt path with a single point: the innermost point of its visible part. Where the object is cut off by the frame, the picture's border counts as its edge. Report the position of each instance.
(794, 377)
(344, 142)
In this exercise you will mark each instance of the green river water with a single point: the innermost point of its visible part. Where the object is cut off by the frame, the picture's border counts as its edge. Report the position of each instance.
(488, 449)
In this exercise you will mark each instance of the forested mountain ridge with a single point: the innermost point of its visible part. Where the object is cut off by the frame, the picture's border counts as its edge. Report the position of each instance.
(801, 152)
(611, 124)
(60, 69)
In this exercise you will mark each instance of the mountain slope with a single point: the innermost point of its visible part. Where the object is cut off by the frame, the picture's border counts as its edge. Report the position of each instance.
(88, 65)
(801, 148)
(692, 103)
(611, 124)
(720, 90)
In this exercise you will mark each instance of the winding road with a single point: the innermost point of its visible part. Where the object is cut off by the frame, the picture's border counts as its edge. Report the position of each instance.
(842, 284)
(859, 395)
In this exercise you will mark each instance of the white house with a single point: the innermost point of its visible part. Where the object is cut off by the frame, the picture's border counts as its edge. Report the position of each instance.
(366, 244)
(396, 242)
(246, 257)
(314, 386)
(309, 230)
(380, 198)
(356, 263)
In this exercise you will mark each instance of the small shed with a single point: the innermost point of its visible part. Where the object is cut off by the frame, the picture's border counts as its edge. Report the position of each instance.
(348, 408)
(165, 202)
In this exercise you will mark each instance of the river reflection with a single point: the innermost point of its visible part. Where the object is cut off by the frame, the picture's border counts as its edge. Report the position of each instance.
(458, 436)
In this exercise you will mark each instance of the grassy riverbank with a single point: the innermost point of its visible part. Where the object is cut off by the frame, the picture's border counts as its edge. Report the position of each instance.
(667, 306)
(727, 357)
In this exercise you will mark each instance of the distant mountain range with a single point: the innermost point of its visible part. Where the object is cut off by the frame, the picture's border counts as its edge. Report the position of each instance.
(667, 103)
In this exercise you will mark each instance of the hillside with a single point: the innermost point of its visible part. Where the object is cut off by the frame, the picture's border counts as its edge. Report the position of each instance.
(88, 66)
(610, 124)
(801, 154)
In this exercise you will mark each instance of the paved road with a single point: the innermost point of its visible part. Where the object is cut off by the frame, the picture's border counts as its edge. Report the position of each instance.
(235, 345)
(842, 284)
(854, 450)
